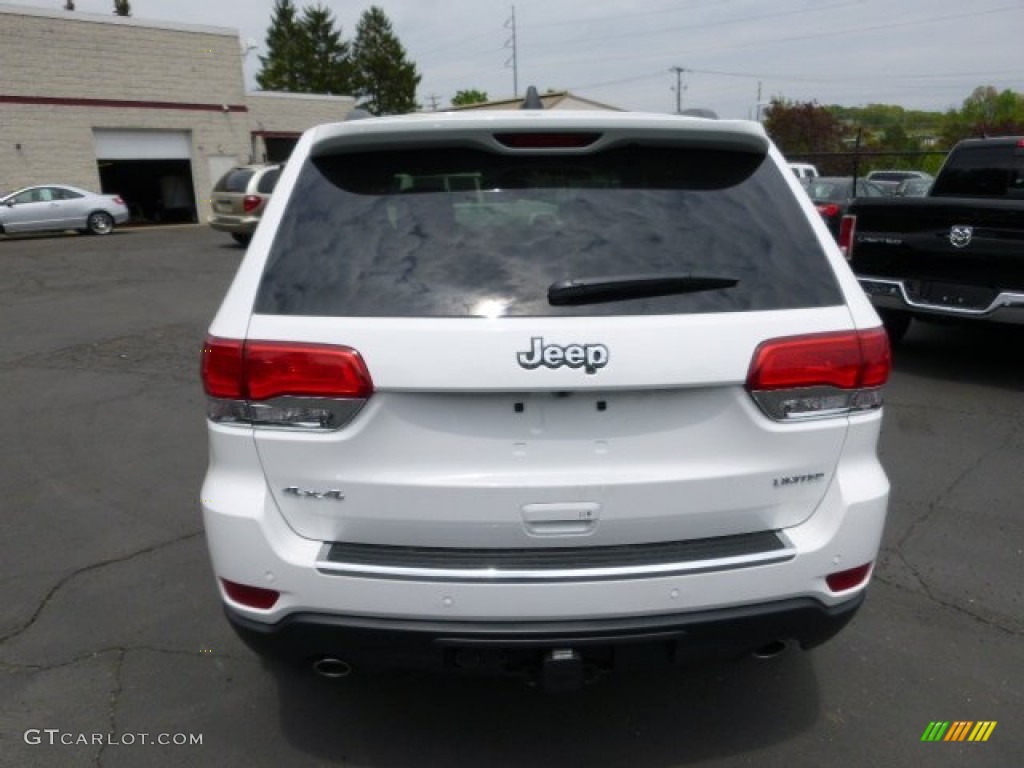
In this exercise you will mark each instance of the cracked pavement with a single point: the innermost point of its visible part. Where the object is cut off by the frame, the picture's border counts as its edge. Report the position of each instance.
(110, 623)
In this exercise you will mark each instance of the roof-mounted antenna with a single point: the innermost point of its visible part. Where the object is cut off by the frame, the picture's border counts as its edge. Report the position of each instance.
(532, 100)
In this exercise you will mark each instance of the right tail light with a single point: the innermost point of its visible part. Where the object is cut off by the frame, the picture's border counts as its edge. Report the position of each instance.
(820, 375)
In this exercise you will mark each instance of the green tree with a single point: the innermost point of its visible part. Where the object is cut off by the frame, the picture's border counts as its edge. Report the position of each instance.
(279, 69)
(121, 8)
(468, 96)
(325, 59)
(305, 55)
(385, 80)
(986, 112)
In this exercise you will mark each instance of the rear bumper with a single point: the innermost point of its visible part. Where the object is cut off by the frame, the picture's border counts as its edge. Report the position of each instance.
(892, 294)
(241, 225)
(519, 648)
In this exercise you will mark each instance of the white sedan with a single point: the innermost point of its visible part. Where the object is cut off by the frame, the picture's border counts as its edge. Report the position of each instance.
(59, 207)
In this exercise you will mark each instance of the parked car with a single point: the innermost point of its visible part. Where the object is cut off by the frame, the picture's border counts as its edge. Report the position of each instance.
(914, 187)
(890, 180)
(55, 207)
(239, 198)
(804, 170)
(831, 195)
(511, 392)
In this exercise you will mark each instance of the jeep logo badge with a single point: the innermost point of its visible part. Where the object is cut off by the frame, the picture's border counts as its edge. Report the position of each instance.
(960, 235)
(589, 357)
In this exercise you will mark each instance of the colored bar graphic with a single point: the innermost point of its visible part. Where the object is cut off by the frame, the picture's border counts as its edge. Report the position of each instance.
(958, 730)
(982, 731)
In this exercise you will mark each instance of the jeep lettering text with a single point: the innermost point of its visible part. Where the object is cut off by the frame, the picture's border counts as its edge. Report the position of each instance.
(590, 357)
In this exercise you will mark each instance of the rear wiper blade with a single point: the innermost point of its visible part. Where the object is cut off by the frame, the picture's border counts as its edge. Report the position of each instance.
(596, 290)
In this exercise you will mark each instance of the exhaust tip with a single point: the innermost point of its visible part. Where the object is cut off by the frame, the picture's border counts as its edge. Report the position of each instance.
(770, 650)
(332, 668)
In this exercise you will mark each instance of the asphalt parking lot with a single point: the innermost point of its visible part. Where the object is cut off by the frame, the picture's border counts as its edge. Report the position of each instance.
(111, 632)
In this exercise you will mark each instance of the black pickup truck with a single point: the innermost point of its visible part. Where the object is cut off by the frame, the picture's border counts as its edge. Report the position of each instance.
(957, 253)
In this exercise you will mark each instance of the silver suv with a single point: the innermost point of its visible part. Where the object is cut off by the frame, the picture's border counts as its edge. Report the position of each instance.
(240, 197)
(541, 394)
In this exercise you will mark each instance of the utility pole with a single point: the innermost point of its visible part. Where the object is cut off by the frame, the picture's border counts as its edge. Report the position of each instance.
(513, 61)
(433, 99)
(679, 88)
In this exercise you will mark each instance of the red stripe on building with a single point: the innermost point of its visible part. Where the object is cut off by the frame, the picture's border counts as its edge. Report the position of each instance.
(61, 101)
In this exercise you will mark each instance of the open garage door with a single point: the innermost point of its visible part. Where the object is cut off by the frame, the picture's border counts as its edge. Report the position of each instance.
(151, 170)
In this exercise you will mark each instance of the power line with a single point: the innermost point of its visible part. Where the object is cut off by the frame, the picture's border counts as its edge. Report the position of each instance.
(510, 23)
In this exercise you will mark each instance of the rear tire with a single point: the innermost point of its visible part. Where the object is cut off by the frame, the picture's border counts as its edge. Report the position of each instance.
(896, 324)
(100, 223)
(241, 239)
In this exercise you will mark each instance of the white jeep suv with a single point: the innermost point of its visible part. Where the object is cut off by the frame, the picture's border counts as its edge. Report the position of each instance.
(543, 394)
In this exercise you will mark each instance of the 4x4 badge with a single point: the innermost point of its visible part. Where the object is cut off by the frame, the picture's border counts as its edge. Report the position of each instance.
(960, 235)
(307, 493)
(589, 357)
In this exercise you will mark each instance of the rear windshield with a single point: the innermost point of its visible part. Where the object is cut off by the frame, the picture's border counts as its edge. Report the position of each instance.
(268, 181)
(461, 232)
(234, 180)
(828, 191)
(889, 176)
(993, 171)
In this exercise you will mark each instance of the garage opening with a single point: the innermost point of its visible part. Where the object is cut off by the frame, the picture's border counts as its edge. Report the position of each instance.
(273, 146)
(279, 148)
(151, 170)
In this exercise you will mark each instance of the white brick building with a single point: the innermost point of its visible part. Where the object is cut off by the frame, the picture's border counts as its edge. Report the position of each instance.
(150, 110)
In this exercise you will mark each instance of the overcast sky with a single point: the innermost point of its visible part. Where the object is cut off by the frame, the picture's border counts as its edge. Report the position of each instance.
(920, 54)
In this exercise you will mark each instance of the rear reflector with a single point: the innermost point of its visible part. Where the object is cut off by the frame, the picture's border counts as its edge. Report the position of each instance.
(283, 384)
(818, 375)
(251, 202)
(546, 140)
(847, 229)
(251, 597)
(841, 581)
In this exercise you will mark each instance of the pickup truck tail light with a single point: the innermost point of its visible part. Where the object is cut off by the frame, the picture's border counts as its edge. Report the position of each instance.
(820, 375)
(283, 384)
(847, 229)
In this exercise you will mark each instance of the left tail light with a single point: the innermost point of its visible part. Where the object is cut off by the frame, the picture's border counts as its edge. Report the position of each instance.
(828, 210)
(820, 375)
(283, 384)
